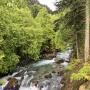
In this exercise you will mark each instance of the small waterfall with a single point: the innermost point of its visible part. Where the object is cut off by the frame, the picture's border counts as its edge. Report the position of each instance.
(45, 84)
(64, 55)
(25, 83)
(44, 62)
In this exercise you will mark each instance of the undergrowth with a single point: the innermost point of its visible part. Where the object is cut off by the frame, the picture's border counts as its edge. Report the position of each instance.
(79, 71)
(83, 73)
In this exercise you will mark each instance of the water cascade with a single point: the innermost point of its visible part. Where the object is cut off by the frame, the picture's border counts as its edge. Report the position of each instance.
(42, 75)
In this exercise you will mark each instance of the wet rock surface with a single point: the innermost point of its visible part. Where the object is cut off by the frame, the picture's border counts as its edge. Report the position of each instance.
(45, 78)
(12, 84)
(51, 81)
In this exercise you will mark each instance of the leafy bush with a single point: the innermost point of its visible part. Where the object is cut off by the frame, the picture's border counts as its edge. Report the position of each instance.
(20, 33)
(83, 74)
(24, 31)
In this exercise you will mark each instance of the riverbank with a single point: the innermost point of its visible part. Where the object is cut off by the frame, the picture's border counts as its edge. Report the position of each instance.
(71, 84)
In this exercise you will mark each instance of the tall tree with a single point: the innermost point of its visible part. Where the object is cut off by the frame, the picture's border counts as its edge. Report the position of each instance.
(75, 19)
(87, 31)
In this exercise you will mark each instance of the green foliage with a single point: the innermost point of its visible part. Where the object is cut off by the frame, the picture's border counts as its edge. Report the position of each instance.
(8, 63)
(14, 21)
(18, 34)
(27, 31)
(71, 30)
(63, 37)
(83, 73)
(35, 9)
(2, 82)
(63, 33)
(24, 31)
(1, 55)
(74, 20)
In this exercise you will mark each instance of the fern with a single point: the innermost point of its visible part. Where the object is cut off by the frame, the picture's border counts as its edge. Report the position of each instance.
(83, 74)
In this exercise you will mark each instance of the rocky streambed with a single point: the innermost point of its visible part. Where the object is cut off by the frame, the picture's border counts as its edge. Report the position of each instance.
(43, 75)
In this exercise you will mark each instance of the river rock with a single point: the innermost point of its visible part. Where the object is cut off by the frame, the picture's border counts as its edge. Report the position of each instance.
(12, 83)
(48, 55)
(85, 86)
(48, 76)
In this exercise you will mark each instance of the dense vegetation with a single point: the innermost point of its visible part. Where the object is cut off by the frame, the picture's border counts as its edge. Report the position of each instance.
(75, 19)
(25, 31)
(78, 19)
(28, 30)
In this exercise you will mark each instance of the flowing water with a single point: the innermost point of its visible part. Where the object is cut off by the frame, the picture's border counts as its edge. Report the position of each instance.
(43, 75)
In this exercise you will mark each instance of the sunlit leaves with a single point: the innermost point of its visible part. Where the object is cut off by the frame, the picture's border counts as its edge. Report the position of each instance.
(26, 31)
(1, 55)
(83, 74)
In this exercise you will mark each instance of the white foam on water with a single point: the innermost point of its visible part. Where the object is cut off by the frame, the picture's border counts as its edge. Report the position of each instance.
(45, 62)
(24, 88)
(14, 74)
(29, 88)
(64, 55)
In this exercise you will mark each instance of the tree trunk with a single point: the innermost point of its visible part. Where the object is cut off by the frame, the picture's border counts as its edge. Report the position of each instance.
(87, 32)
(77, 47)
